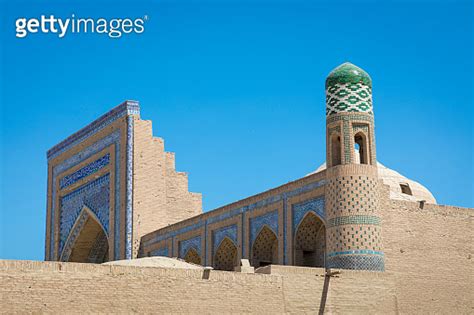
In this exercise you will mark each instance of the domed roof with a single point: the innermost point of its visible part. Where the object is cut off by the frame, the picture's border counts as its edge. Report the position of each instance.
(401, 188)
(348, 73)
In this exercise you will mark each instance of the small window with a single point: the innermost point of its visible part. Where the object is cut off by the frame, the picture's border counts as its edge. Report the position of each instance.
(360, 149)
(406, 189)
(335, 150)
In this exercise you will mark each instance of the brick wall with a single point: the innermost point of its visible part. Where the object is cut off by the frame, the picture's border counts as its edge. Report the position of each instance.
(27, 286)
(160, 194)
(429, 251)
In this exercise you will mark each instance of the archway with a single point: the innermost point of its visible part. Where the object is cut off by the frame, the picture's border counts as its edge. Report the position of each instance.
(192, 257)
(91, 245)
(265, 248)
(225, 257)
(360, 149)
(310, 242)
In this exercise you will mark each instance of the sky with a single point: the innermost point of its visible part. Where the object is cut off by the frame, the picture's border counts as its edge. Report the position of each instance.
(236, 89)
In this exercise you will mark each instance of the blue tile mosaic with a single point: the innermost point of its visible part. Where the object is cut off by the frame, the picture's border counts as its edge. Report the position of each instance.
(186, 245)
(219, 235)
(95, 196)
(237, 211)
(111, 139)
(354, 219)
(129, 189)
(85, 171)
(357, 262)
(76, 230)
(126, 108)
(314, 205)
(160, 252)
(356, 252)
(269, 219)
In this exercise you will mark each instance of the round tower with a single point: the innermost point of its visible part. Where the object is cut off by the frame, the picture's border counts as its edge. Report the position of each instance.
(352, 205)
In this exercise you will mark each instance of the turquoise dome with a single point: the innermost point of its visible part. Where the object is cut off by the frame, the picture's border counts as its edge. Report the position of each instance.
(348, 73)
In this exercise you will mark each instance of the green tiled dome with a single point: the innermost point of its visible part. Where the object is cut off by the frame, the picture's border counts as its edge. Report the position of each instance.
(348, 73)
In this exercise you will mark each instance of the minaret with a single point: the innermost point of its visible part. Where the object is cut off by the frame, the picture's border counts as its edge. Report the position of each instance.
(352, 205)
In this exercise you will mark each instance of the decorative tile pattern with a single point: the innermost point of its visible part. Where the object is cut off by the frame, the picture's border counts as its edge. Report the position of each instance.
(227, 231)
(186, 245)
(310, 238)
(269, 219)
(237, 211)
(350, 117)
(356, 262)
(347, 143)
(110, 139)
(348, 89)
(126, 108)
(77, 228)
(129, 189)
(225, 258)
(192, 257)
(354, 219)
(356, 252)
(359, 127)
(95, 196)
(85, 171)
(265, 248)
(160, 252)
(314, 205)
(351, 97)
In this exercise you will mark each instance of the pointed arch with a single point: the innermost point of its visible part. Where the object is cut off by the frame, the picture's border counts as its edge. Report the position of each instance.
(87, 241)
(225, 257)
(192, 256)
(361, 155)
(310, 241)
(265, 248)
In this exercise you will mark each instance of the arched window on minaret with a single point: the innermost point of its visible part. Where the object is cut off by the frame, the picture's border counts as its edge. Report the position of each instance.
(335, 149)
(360, 149)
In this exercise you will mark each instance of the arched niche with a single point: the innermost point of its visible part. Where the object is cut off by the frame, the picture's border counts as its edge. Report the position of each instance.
(265, 248)
(310, 242)
(225, 257)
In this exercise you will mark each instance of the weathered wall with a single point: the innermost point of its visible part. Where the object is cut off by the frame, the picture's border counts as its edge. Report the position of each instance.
(78, 288)
(160, 194)
(27, 286)
(429, 251)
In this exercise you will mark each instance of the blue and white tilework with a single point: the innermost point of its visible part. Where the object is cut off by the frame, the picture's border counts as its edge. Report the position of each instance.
(111, 139)
(85, 171)
(114, 138)
(269, 219)
(95, 196)
(83, 217)
(186, 245)
(129, 189)
(314, 205)
(273, 224)
(236, 212)
(227, 231)
(126, 108)
(160, 252)
(358, 262)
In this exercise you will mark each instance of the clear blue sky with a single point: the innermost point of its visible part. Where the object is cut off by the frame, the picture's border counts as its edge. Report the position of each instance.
(236, 89)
